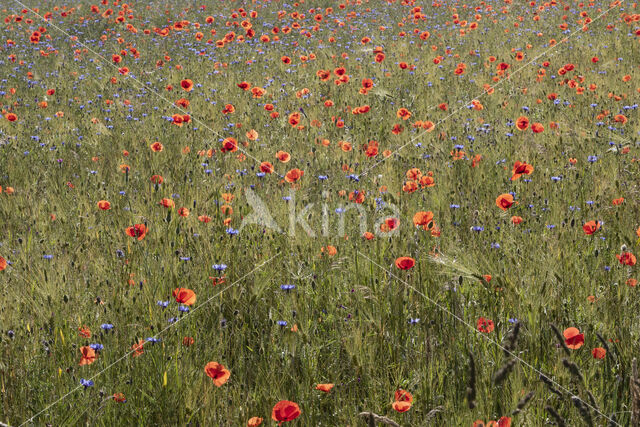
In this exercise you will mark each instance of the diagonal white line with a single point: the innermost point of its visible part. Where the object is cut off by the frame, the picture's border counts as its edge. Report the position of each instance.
(485, 336)
(466, 104)
(30, 420)
(139, 83)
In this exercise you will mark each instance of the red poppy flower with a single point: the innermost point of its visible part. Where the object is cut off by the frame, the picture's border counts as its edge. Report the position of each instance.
(167, 203)
(403, 114)
(88, 356)
(177, 119)
(218, 373)
(537, 128)
(401, 406)
(522, 123)
(423, 219)
(84, 331)
(293, 175)
(285, 410)
(187, 85)
(266, 167)
(283, 156)
(138, 348)
(405, 263)
(137, 230)
(11, 117)
(324, 387)
(119, 397)
(156, 147)
(573, 338)
(627, 258)
(204, 218)
(619, 118)
(520, 169)
(184, 296)
(391, 223)
(104, 205)
(403, 396)
(485, 325)
(414, 174)
(591, 227)
(229, 144)
(504, 201)
(502, 422)
(599, 353)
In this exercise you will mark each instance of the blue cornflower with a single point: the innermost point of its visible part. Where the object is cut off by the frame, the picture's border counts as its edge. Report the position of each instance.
(287, 287)
(282, 322)
(106, 326)
(86, 383)
(96, 347)
(219, 267)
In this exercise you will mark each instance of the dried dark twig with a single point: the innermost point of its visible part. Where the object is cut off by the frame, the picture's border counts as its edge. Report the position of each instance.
(559, 420)
(502, 373)
(573, 368)
(522, 403)
(582, 408)
(375, 418)
(471, 388)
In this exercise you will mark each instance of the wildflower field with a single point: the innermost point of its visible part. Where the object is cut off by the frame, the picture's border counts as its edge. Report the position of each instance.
(319, 213)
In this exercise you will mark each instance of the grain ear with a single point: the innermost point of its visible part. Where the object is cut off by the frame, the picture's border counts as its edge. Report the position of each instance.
(634, 390)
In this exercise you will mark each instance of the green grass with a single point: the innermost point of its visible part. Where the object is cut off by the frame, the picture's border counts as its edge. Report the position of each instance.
(352, 309)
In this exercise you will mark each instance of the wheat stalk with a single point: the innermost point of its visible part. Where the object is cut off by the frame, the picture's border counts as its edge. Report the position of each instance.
(375, 418)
